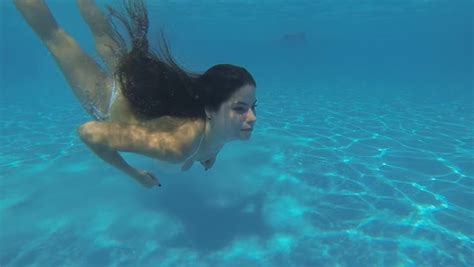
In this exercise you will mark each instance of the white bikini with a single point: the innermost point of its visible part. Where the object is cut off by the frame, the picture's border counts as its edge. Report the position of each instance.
(104, 116)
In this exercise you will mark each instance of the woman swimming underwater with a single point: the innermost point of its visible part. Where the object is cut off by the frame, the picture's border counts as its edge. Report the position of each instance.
(143, 102)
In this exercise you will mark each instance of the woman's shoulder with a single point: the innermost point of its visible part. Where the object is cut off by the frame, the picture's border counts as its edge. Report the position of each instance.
(185, 132)
(175, 124)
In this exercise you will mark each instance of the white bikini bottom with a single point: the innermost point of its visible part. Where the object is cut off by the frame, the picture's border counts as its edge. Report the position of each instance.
(99, 114)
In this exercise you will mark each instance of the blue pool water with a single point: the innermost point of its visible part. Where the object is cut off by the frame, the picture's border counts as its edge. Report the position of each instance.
(363, 153)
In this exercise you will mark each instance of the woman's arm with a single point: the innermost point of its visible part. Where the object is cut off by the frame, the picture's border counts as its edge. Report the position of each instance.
(107, 139)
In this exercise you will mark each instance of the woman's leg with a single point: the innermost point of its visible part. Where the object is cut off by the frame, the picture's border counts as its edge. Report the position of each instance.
(103, 32)
(90, 83)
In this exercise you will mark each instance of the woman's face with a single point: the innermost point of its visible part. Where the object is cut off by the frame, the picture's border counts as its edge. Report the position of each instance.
(237, 116)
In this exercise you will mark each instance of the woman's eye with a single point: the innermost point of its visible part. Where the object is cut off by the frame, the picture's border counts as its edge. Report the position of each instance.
(240, 109)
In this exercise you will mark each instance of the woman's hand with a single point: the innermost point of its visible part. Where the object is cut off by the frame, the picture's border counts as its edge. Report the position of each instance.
(147, 179)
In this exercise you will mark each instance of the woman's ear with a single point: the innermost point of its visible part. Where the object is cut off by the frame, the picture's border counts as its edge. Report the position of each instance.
(208, 114)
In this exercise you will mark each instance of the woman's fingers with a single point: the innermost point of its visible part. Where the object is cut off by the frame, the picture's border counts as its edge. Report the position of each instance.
(154, 179)
(149, 180)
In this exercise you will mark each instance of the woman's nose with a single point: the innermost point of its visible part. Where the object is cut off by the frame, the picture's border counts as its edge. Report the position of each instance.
(251, 117)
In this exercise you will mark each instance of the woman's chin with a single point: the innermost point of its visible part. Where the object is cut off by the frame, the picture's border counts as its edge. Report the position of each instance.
(245, 135)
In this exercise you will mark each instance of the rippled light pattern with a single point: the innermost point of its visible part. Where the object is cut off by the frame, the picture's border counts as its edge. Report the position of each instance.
(354, 181)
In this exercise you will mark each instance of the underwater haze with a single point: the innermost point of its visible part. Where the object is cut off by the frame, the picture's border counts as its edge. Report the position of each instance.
(362, 154)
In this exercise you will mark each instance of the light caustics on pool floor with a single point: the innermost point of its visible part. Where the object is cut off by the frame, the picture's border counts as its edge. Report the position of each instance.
(353, 180)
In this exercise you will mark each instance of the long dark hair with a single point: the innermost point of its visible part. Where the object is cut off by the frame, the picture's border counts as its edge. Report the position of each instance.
(155, 85)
